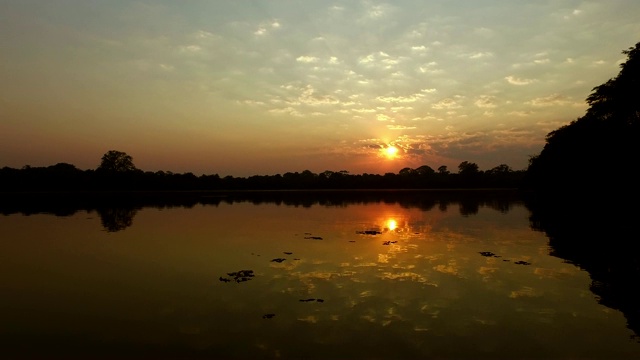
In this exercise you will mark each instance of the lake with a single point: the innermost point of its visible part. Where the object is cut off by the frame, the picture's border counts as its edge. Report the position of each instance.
(297, 275)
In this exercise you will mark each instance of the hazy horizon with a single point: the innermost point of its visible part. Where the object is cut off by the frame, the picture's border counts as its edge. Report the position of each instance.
(262, 88)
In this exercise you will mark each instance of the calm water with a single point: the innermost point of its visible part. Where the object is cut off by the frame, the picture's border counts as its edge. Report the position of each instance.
(361, 279)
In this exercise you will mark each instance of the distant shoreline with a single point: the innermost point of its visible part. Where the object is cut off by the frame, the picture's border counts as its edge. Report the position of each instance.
(4, 194)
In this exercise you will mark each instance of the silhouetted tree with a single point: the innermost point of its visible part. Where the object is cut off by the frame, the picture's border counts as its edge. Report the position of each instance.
(443, 170)
(500, 169)
(425, 170)
(407, 172)
(468, 168)
(116, 161)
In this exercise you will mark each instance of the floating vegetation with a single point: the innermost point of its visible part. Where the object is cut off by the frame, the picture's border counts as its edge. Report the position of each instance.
(239, 276)
(278, 260)
(311, 299)
(313, 237)
(287, 253)
(389, 242)
(521, 262)
(488, 254)
(369, 232)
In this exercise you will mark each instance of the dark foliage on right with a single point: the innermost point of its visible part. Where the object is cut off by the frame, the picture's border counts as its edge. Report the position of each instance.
(585, 191)
(599, 152)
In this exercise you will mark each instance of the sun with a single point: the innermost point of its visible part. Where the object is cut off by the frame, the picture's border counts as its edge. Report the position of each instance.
(390, 151)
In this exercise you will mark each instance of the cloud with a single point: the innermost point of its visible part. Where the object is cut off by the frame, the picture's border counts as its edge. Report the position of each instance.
(362, 110)
(551, 100)
(428, 117)
(380, 59)
(252, 102)
(574, 13)
(480, 55)
(367, 59)
(400, 99)
(485, 101)
(263, 29)
(447, 103)
(429, 68)
(400, 108)
(400, 127)
(375, 12)
(512, 135)
(519, 81)
(520, 113)
(166, 67)
(306, 59)
(484, 32)
(309, 97)
(190, 49)
(201, 34)
(288, 110)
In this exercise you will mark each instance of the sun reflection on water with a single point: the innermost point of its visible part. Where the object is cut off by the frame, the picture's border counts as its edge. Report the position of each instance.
(392, 224)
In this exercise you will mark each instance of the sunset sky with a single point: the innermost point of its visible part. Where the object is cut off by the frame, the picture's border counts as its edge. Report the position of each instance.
(267, 87)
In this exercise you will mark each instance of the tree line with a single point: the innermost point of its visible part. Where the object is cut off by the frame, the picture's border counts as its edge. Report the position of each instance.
(118, 172)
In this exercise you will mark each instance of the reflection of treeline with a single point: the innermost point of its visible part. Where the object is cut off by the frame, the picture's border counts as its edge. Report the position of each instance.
(118, 204)
(66, 177)
(598, 236)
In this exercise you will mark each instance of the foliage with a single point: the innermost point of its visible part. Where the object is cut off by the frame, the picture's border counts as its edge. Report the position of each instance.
(598, 151)
(116, 161)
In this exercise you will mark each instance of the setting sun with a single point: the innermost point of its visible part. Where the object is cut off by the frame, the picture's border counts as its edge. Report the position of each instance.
(391, 152)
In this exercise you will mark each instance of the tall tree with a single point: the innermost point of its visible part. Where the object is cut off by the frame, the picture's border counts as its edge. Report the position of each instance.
(468, 168)
(116, 161)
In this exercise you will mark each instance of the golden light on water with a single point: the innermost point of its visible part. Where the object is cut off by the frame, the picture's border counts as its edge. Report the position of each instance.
(392, 224)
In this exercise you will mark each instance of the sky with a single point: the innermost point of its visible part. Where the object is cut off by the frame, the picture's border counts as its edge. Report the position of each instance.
(258, 87)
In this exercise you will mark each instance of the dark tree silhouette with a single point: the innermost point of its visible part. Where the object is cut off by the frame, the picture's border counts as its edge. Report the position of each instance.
(599, 151)
(468, 168)
(443, 170)
(116, 161)
(425, 170)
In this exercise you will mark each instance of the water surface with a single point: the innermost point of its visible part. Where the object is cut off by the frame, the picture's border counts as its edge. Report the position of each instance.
(368, 279)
